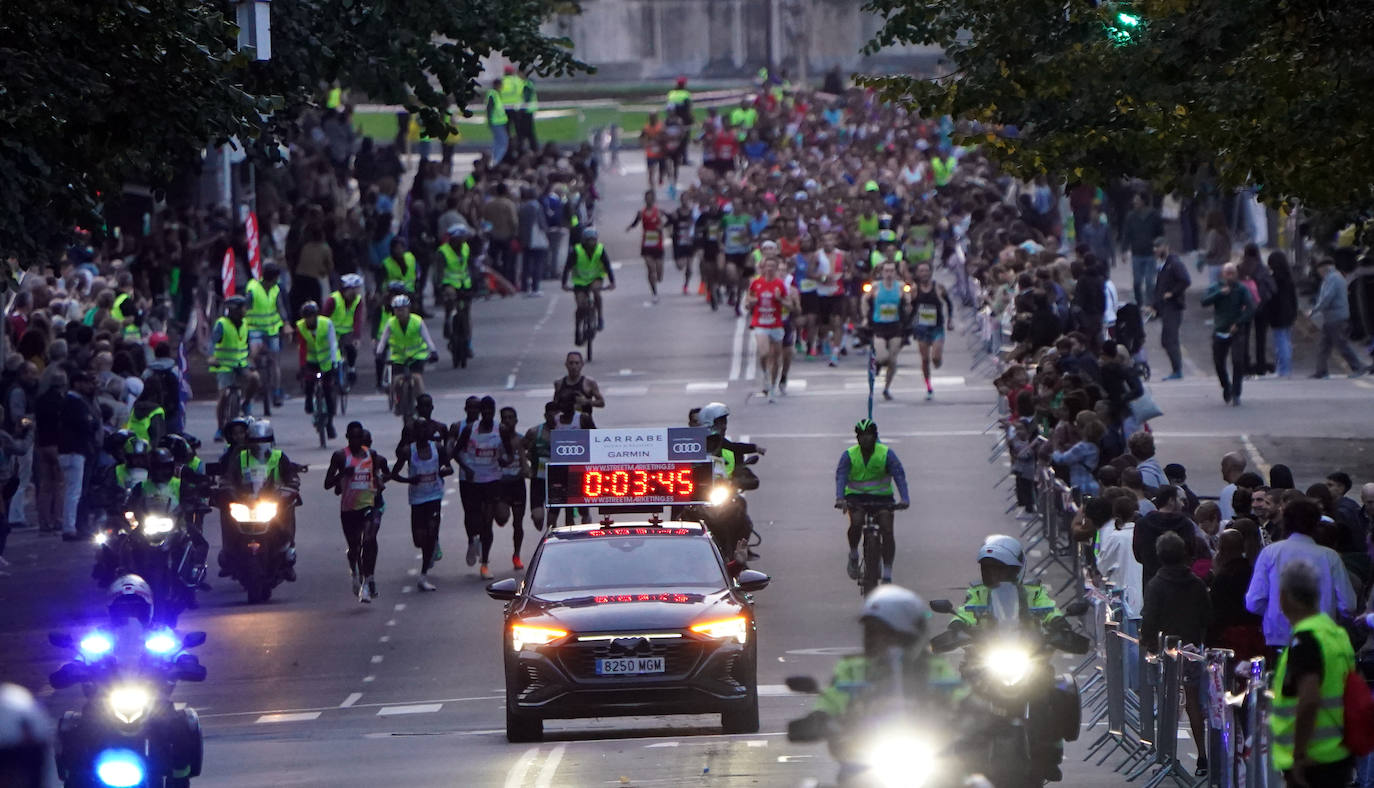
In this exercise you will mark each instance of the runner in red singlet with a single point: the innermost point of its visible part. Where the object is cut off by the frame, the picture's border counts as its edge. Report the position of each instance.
(767, 300)
(651, 242)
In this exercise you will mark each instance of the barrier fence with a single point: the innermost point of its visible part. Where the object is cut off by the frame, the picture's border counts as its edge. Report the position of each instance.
(1132, 701)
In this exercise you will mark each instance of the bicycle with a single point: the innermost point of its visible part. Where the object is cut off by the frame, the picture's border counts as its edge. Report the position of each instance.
(460, 331)
(320, 407)
(405, 396)
(870, 548)
(585, 320)
(262, 361)
(232, 399)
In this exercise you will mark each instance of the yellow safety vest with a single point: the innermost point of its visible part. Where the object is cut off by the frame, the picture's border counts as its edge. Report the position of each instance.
(140, 427)
(334, 99)
(512, 91)
(679, 96)
(497, 115)
(407, 344)
(262, 309)
(317, 349)
(1338, 659)
(942, 169)
(163, 497)
(456, 272)
(394, 273)
(868, 478)
(344, 312)
(231, 352)
(117, 310)
(588, 269)
(271, 468)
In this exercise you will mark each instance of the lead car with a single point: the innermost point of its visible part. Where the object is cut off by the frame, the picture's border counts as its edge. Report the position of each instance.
(629, 619)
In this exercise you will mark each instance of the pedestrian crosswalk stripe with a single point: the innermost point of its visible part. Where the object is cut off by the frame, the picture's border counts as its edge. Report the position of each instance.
(419, 708)
(713, 385)
(300, 716)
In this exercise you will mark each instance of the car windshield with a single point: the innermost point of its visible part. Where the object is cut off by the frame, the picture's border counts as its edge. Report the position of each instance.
(627, 562)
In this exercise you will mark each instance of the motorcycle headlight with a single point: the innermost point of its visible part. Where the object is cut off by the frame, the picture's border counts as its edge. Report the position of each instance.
(161, 643)
(522, 635)
(904, 759)
(119, 768)
(96, 644)
(130, 702)
(102, 538)
(241, 512)
(1009, 664)
(721, 493)
(737, 628)
(156, 525)
(260, 512)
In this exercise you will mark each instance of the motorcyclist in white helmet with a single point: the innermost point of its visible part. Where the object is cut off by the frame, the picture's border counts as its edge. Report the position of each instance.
(261, 466)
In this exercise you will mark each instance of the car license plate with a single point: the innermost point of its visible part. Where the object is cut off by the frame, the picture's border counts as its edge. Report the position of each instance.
(629, 666)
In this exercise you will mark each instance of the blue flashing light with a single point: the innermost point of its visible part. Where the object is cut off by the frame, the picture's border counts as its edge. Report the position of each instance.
(96, 644)
(162, 642)
(119, 768)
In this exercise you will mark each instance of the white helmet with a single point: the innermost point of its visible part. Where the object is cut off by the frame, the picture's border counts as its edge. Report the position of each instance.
(1005, 550)
(901, 610)
(26, 736)
(712, 411)
(131, 597)
(400, 302)
(351, 280)
(260, 431)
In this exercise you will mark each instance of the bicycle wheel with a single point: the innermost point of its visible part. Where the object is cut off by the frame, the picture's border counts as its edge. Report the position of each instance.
(342, 395)
(321, 408)
(233, 405)
(872, 561)
(406, 406)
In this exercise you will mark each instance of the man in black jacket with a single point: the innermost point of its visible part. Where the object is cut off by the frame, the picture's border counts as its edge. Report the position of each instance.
(1170, 288)
(1167, 517)
(1090, 300)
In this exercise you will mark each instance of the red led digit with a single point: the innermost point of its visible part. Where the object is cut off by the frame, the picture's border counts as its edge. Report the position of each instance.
(641, 484)
(619, 483)
(686, 484)
(591, 484)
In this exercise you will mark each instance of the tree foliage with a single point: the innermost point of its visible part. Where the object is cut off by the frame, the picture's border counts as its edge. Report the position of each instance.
(1271, 92)
(95, 94)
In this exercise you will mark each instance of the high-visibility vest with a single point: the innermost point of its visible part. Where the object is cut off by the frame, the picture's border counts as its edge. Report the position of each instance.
(456, 272)
(344, 312)
(1338, 659)
(512, 91)
(679, 96)
(317, 350)
(231, 351)
(163, 497)
(497, 115)
(942, 169)
(407, 344)
(394, 272)
(868, 478)
(117, 309)
(723, 466)
(140, 427)
(531, 98)
(334, 99)
(588, 268)
(271, 468)
(262, 308)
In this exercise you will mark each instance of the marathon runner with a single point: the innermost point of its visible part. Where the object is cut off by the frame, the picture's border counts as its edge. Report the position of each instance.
(356, 474)
(510, 499)
(537, 454)
(651, 137)
(651, 240)
(429, 464)
(682, 226)
(933, 311)
(767, 300)
(707, 236)
(479, 455)
(886, 311)
(577, 392)
(734, 230)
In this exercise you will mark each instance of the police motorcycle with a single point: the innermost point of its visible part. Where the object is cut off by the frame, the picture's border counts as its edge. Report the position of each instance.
(1025, 709)
(890, 717)
(129, 733)
(150, 537)
(256, 498)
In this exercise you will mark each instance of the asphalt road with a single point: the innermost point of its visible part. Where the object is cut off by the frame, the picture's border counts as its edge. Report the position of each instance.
(314, 688)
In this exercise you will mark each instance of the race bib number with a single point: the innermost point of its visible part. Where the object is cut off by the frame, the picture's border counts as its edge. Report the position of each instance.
(652, 238)
(887, 313)
(927, 315)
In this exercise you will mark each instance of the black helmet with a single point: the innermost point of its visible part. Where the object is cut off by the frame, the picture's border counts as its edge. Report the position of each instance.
(177, 446)
(310, 309)
(271, 271)
(116, 444)
(162, 459)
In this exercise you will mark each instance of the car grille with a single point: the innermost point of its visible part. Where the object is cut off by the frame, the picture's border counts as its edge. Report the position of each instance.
(680, 656)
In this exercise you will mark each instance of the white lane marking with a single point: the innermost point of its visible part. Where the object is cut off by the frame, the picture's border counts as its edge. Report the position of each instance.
(516, 776)
(405, 589)
(775, 690)
(711, 385)
(783, 758)
(627, 372)
(794, 386)
(938, 382)
(757, 743)
(302, 716)
(419, 708)
(510, 382)
(384, 639)
(391, 623)
(662, 744)
(536, 393)
(626, 391)
(1255, 456)
(751, 362)
(377, 659)
(550, 767)
(400, 606)
(736, 349)
(412, 571)
(369, 679)
(353, 697)
(318, 709)
(529, 343)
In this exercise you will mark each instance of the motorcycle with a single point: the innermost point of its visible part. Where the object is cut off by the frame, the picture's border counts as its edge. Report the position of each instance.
(1025, 708)
(726, 515)
(129, 733)
(259, 554)
(159, 548)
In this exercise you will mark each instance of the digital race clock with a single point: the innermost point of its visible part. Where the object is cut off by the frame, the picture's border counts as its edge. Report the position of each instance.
(641, 484)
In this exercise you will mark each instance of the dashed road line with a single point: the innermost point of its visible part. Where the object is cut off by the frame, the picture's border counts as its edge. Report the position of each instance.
(516, 776)
(353, 697)
(736, 350)
(550, 767)
(710, 385)
(419, 708)
(1255, 456)
(377, 659)
(369, 679)
(400, 606)
(301, 716)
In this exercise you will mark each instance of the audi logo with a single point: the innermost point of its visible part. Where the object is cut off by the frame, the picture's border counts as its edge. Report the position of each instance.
(687, 448)
(569, 450)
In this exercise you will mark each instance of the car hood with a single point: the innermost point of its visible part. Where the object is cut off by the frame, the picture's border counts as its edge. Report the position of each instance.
(622, 609)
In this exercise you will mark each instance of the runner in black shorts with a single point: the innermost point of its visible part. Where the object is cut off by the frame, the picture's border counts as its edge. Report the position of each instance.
(682, 226)
(510, 495)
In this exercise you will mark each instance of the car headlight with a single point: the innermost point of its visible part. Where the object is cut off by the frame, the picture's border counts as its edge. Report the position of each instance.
(96, 644)
(156, 524)
(1009, 664)
(260, 512)
(162, 642)
(900, 759)
(721, 493)
(129, 702)
(737, 628)
(522, 635)
(119, 768)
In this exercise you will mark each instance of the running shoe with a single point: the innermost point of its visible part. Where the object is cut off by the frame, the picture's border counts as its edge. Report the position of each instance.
(516, 562)
(852, 568)
(438, 553)
(474, 551)
(887, 395)
(485, 572)
(357, 581)
(425, 585)
(365, 594)
(930, 395)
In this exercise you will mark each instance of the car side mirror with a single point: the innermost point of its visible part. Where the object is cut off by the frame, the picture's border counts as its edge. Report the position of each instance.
(504, 590)
(61, 639)
(1077, 607)
(751, 580)
(193, 639)
(942, 606)
(804, 684)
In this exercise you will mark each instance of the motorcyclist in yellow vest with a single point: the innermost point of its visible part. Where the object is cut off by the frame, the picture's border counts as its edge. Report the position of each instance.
(730, 524)
(342, 310)
(895, 676)
(267, 321)
(321, 355)
(399, 266)
(456, 279)
(408, 339)
(1307, 716)
(864, 477)
(229, 361)
(587, 265)
(260, 466)
(147, 419)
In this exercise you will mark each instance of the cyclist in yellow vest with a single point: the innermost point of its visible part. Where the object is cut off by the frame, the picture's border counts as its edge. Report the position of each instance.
(456, 278)
(407, 337)
(321, 350)
(587, 265)
(400, 266)
(229, 361)
(864, 476)
(342, 310)
(1307, 716)
(498, 122)
(267, 320)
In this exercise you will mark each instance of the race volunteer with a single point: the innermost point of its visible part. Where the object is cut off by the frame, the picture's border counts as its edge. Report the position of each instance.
(429, 465)
(865, 475)
(886, 310)
(411, 345)
(933, 310)
(267, 319)
(230, 361)
(587, 265)
(342, 310)
(357, 474)
(456, 280)
(768, 300)
(651, 241)
(320, 353)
